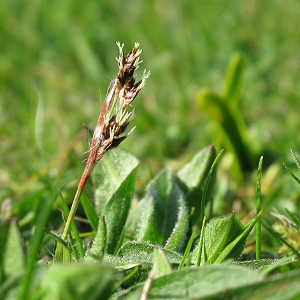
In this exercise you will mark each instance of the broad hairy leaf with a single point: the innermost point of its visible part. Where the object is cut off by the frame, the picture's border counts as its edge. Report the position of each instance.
(256, 264)
(208, 282)
(192, 177)
(134, 252)
(115, 214)
(98, 250)
(218, 234)
(77, 281)
(194, 173)
(164, 218)
(141, 257)
(108, 175)
(115, 183)
(4, 230)
(278, 287)
(12, 260)
(235, 248)
(161, 264)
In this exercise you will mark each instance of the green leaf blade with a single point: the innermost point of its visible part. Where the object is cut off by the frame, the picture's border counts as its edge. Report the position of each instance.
(110, 173)
(164, 216)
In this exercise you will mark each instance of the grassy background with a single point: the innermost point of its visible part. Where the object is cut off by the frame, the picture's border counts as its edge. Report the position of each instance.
(55, 57)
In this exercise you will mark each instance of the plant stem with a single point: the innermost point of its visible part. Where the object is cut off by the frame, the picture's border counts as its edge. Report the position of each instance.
(112, 121)
(72, 214)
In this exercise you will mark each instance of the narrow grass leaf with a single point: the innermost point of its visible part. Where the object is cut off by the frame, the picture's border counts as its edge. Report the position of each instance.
(197, 253)
(286, 264)
(36, 242)
(205, 195)
(258, 210)
(292, 174)
(233, 80)
(293, 218)
(90, 212)
(187, 250)
(231, 126)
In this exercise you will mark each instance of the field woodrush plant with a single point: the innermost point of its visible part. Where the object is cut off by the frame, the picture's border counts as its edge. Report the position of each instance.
(171, 244)
(113, 119)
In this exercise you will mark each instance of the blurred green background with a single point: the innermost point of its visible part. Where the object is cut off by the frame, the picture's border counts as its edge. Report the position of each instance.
(57, 59)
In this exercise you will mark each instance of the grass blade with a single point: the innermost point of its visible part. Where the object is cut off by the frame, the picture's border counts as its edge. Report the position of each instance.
(36, 243)
(187, 250)
(200, 245)
(203, 201)
(293, 218)
(90, 212)
(258, 209)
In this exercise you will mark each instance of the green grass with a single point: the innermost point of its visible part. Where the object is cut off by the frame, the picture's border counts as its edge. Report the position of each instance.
(57, 59)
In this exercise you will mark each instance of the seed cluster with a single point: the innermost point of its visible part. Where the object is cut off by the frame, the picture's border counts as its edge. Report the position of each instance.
(114, 117)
